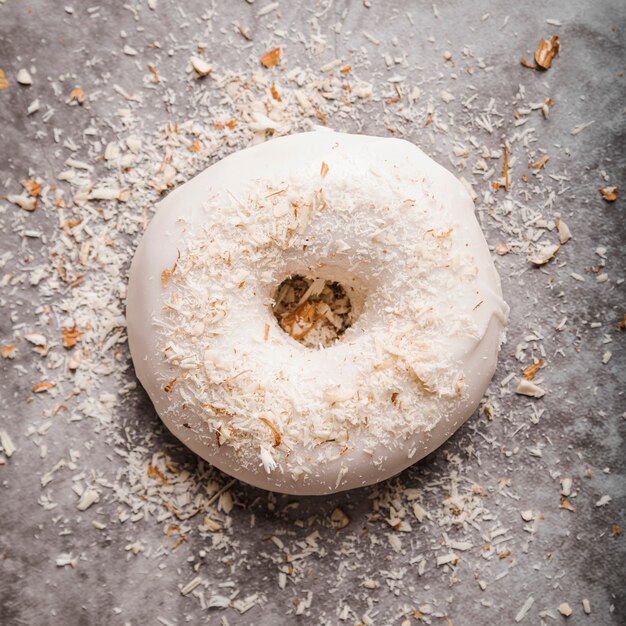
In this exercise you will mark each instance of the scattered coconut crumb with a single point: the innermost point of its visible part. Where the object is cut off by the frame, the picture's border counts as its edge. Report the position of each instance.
(6, 443)
(24, 77)
(200, 66)
(528, 388)
(544, 254)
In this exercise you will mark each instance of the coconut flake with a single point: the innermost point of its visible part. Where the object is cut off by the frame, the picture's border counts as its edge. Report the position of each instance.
(89, 497)
(528, 388)
(200, 66)
(542, 255)
(24, 77)
(563, 230)
(6, 443)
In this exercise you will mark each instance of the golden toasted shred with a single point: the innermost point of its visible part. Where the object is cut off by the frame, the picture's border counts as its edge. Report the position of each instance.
(271, 58)
(275, 93)
(546, 51)
(505, 167)
(243, 32)
(32, 187)
(9, 351)
(540, 164)
(44, 385)
(77, 95)
(166, 274)
(70, 336)
(277, 436)
(154, 73)
(609, 193)
(530, 372)
(544, 54)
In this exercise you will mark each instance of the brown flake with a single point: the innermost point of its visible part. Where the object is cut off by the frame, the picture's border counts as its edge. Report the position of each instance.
(32, 187)
(566, 504)
(154, 73)
(4, 83)
(168, 388)
(165, 277)
(70, 336)
(275, 93)
(540, 164)
(505, 167)
(320, 116)
(609, 193)
(174, 530)
(544, 54)
(243, 32)
(271, 58)
(278, 438)
(9, 351)
(156, 473)
(616, 530)
(546, 51)
(525, 63)
(77, 95)
(166, 274)
(323, 170)
(530, 372)
(42, 386)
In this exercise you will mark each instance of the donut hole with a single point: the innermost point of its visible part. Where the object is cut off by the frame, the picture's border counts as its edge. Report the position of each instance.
(315, 312)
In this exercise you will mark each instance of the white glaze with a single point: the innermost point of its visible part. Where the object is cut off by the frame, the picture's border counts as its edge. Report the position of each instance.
(387, 222)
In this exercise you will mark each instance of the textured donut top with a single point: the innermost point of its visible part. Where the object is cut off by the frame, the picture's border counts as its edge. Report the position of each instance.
(376, 215)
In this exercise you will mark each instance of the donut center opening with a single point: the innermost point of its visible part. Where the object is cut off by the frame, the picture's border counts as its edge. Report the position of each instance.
(316, 312)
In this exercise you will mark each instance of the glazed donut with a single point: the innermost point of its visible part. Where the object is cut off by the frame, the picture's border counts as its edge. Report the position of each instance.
(366, 220)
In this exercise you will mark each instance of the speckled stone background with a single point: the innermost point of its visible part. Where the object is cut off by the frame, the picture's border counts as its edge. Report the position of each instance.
(574, 555)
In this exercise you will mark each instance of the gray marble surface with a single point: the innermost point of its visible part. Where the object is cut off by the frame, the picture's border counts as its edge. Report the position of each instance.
(572, 555)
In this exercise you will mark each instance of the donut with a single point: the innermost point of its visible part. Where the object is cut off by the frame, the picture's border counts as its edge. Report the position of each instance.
(317, 312)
